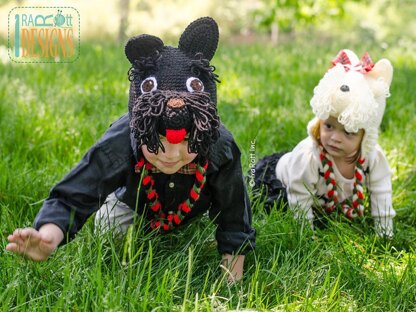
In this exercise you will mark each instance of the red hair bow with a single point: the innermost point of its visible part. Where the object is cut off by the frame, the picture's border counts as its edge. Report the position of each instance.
(364, 66)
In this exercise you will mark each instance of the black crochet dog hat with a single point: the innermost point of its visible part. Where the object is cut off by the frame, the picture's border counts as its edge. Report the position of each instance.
(173, 90)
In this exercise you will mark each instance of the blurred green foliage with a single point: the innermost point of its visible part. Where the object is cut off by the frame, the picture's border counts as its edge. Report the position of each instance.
(289, 13)
(388, 22)
(51, 113)
(383, 22)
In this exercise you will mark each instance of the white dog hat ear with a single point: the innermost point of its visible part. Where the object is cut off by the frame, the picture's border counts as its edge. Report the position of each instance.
(379, 79)
(382, 69)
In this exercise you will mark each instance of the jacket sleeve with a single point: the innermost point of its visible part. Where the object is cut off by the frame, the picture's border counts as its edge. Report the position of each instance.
(84, 189)
(231, 209)
(299, 171)
(380, 189)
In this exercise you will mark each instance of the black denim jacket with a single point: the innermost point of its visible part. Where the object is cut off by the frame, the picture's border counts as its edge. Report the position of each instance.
(109, 166)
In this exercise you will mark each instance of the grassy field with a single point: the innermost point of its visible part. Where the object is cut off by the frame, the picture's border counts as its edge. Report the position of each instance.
(51, 114)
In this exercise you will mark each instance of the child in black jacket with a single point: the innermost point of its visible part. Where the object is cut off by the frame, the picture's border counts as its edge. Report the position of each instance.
(170, 147)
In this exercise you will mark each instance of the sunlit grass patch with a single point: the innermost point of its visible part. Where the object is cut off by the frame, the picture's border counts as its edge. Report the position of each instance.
(50, 115)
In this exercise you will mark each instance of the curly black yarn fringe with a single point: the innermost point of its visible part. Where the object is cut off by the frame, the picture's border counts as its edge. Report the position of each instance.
(202, 67)
(142, 66)
(148, 108)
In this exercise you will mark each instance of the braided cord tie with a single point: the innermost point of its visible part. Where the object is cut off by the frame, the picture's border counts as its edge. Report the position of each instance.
(161, 221)
(330, 182)
(353, 209)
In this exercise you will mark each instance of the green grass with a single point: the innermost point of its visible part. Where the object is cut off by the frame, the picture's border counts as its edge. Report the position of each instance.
(51, 114)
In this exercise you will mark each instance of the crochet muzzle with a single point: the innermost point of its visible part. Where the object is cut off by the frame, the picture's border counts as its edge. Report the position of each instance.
(175, 115)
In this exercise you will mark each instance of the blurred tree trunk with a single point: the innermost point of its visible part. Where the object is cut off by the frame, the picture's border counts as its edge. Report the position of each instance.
(124, 15)
(274, 33)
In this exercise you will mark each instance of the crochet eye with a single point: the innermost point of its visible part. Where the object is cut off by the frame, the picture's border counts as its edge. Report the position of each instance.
(194, 85)
(148, 85)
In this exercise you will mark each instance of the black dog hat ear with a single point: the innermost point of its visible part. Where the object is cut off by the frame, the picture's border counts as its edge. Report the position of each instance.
(142, 46)
(200, 36)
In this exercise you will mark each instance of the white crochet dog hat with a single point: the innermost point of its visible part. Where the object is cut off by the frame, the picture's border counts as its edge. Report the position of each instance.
(355, 92)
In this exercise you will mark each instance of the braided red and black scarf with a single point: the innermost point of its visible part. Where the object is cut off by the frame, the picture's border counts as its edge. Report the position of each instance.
(162, 221)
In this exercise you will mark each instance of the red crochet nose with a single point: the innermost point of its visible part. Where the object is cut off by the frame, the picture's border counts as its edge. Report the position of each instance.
(175, 136)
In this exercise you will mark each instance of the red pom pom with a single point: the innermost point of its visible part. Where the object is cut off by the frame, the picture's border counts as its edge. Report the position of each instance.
(170, 217)
(151, 195)
(358, 176)
(155, 207)
(194, 195)
(176, 219)
(175, 136)
(146, 180)
(326, 174)
(331, 193)
(329, 209)
(148, 166)
(360, 195)
(166, 227)
(199, 176)
(184, 207)
(140, 163)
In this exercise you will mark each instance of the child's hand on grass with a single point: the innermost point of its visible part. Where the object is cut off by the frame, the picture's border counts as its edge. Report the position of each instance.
(33, 244)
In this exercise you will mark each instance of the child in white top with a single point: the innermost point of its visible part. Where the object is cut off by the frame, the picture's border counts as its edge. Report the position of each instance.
(329, 171)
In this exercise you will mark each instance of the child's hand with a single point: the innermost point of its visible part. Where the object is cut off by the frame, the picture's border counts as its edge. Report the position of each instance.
(33, 244)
